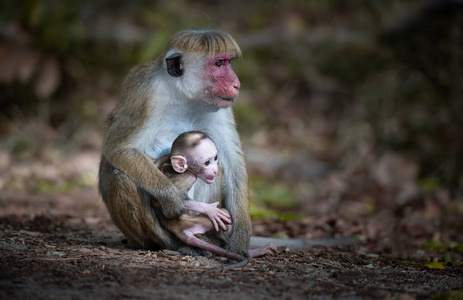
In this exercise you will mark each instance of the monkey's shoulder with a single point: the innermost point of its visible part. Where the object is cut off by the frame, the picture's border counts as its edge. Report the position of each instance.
(138, 81)
(141, 72)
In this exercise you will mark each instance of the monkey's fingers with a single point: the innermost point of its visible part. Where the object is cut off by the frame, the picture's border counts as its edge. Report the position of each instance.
(273, 248)
(214, 222)
(221, 223)
(225, 218)
(225, 215)
(269, 249)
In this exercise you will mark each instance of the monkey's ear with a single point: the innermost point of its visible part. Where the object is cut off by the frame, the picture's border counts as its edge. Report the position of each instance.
(179, 163)
(174, 65)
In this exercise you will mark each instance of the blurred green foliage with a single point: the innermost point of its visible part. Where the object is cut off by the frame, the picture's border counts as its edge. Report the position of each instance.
(349, 63)
(450, 295)
(449, 261)
(272, 200)
(46, 186)
(439, 246)
(274, 194)
(55, 24)
(385, 73)
(427, 97)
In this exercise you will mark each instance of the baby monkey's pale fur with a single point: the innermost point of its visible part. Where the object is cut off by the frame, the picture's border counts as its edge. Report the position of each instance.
(193, 156)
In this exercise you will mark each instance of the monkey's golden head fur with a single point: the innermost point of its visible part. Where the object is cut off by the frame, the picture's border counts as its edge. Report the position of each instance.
(206, 41)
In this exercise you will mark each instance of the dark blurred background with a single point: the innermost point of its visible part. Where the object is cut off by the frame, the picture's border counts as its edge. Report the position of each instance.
(350, 112)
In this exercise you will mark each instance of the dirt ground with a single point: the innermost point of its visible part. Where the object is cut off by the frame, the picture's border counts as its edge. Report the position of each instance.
(65, 247)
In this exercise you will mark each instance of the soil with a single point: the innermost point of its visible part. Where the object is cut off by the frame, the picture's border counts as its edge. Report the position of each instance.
(64, 246)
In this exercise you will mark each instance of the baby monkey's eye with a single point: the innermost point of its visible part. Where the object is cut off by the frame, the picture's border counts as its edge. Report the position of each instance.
(219, 63)
(216, 158)
(207, 163)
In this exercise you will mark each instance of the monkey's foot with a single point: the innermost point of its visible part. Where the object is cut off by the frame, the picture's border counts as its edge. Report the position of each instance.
(269, 249)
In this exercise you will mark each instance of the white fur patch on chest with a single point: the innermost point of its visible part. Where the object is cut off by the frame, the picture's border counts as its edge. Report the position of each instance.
(157, 136)
(155, 142)
(169, 118)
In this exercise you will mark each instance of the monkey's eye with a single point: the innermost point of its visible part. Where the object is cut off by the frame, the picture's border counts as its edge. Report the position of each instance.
(219, 63)
(207, 163)
(216, 158)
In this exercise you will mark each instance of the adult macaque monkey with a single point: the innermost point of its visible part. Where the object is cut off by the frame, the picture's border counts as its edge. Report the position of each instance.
(189, 87)
(194, 155)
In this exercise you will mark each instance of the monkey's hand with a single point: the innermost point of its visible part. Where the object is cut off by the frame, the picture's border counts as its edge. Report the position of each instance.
(158, 162)
(217, 216)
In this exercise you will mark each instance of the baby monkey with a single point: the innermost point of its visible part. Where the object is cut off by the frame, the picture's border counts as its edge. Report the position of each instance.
(194, 156)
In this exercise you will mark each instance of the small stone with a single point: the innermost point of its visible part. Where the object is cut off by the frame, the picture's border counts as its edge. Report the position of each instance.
(369, 266)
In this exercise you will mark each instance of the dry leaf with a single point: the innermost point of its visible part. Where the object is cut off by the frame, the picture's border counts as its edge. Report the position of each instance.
(435, 265)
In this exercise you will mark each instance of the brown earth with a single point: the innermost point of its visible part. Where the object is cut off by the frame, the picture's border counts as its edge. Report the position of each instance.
(65, 247)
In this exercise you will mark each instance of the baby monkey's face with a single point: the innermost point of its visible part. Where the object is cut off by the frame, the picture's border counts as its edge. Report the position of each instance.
(203, 161)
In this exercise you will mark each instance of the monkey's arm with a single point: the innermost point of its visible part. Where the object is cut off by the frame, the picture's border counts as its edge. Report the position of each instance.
(140, 168)
(242, 228)
(129, 115)
(158, 162)
(233, 179)
(236, 200)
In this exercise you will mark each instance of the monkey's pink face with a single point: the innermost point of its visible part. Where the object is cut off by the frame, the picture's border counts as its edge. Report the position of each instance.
(222, 85)
(204, 159)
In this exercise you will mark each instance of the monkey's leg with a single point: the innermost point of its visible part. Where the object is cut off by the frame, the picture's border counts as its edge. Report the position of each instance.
(196, 226)
(132, 213)
(222, 237)
(190, 236)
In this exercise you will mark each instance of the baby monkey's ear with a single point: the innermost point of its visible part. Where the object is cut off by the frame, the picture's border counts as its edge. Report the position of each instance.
(179, 163)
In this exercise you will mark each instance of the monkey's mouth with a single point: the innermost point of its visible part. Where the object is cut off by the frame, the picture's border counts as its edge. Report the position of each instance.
(222, 102)
(227, 99)
(210, 180)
